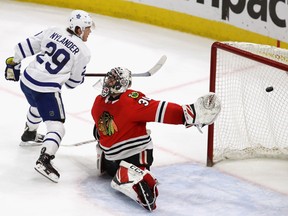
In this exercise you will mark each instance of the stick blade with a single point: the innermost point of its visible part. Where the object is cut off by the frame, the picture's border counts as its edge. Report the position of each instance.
(148, 73)
(159, 64)
(154, 69)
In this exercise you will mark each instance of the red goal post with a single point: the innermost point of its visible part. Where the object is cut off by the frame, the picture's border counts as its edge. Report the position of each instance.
(251, 81)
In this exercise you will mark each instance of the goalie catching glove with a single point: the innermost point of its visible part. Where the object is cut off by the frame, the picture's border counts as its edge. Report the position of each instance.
(12, 71)
(203, 112)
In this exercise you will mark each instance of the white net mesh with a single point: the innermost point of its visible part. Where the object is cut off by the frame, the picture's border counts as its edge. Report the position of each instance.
(253, 121)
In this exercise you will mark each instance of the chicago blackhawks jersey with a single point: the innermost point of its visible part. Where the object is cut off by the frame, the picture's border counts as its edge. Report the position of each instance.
(121, 123)
(61, 58)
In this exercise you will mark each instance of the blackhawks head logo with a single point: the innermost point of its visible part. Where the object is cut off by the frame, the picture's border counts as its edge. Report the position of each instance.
(134, 95)
(106, 124)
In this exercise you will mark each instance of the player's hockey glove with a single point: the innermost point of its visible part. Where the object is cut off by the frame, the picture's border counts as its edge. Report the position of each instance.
(12, 71)
(203, 112)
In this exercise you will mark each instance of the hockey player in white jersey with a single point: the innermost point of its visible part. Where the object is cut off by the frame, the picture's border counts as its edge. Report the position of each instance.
(60, 59)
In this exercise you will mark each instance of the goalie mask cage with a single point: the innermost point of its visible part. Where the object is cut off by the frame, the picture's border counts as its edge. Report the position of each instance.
(251, 81)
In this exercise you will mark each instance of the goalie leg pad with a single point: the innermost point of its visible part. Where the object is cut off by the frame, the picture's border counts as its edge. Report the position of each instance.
(137, 184)
(100, 170)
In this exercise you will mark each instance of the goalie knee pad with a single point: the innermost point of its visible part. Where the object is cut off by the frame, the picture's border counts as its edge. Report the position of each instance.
(137, 184)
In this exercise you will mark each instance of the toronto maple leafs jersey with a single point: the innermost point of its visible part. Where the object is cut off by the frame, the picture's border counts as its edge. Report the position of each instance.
(122, 123)
(60, 58)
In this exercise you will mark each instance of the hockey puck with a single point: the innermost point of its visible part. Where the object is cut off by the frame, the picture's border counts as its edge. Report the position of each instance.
(269, 89)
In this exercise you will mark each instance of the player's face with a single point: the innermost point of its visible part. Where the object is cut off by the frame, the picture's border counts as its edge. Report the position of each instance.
(111, 79)
(86, 33)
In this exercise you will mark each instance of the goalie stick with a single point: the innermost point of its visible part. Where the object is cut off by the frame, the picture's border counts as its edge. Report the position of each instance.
(91, 141)
(148, 73)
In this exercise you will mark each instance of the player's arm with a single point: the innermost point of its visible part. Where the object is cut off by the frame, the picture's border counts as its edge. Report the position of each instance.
(203, 112)
(77, 74)
(28, 47)
(149, 110)
(144, 109)
(23, 49)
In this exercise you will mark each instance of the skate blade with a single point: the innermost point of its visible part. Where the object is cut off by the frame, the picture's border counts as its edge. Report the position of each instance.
(30, 143)
(41, 169)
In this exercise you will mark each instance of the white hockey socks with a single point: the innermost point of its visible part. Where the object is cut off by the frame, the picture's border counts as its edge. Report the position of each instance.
(137, 184)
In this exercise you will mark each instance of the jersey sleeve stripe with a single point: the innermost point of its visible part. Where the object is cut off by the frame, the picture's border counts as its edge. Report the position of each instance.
(30, 46)
(38, 33)
(69, 86)
(74, 81)
(160, 114)
(21, 49)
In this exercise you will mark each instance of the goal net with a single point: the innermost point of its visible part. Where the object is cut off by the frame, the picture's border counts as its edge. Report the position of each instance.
(251, 81)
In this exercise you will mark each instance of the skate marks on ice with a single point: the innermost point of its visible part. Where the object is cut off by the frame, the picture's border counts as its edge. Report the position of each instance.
(191, 189)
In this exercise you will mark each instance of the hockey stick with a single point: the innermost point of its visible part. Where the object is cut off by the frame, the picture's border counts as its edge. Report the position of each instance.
(91, 141)
(150, 72)
(80, 143)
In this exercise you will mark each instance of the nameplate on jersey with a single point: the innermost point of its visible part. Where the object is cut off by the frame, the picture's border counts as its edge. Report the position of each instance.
(66, 42)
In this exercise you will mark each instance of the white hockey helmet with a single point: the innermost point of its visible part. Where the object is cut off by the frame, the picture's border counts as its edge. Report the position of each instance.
(116, 81)
(81, 19)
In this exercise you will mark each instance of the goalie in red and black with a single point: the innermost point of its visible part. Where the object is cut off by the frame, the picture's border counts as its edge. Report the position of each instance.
(125, 148)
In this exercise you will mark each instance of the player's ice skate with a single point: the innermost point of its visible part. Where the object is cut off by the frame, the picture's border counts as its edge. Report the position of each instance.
(44, 166)
(31, 138)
